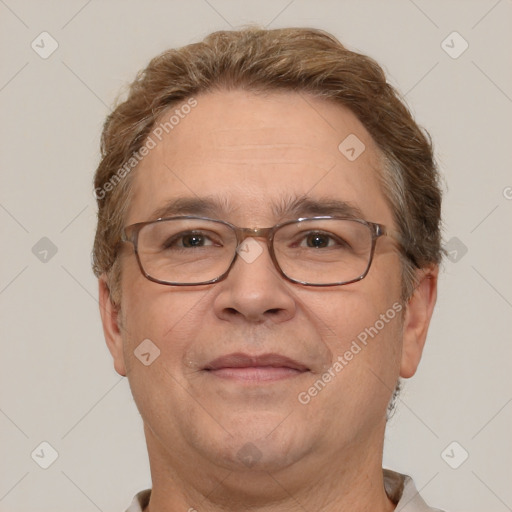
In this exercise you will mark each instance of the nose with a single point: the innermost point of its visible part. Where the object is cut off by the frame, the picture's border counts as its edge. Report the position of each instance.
(254, 291)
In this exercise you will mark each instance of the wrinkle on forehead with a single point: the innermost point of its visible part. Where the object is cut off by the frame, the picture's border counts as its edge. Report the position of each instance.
(268, 145)
(248, 138)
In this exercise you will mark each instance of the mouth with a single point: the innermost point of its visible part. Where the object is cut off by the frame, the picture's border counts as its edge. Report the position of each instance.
(263, 368)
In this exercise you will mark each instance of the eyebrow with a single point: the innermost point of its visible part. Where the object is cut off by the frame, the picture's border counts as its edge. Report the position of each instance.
(287, 207)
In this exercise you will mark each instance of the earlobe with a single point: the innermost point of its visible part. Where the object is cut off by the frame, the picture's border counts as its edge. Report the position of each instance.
(417, 319)
(110, 318)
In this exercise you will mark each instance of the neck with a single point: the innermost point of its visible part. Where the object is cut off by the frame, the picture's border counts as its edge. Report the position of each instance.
(338, 481)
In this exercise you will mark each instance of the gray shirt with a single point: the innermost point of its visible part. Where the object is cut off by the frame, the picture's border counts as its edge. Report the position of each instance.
(400, 489)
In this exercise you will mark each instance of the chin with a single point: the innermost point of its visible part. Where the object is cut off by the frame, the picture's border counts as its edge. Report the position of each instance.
(258, 442)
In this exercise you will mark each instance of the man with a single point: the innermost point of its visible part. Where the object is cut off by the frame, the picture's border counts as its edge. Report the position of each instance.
(267, 251)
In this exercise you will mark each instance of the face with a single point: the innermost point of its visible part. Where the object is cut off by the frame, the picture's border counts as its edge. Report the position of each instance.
(256, 368)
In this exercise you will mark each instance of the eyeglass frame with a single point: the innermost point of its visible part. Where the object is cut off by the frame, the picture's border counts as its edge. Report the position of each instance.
(130, 234)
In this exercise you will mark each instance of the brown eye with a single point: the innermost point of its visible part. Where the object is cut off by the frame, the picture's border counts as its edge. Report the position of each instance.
(188, 240)
(317, 240)
(193, 240)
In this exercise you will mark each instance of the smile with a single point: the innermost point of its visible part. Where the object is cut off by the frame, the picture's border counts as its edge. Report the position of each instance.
(264, 368)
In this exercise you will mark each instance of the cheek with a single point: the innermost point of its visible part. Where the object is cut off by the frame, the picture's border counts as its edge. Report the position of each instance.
(160, 325)
(362, 323)
(360, 310)
(169, 317)
(375, 318)
(365, 333)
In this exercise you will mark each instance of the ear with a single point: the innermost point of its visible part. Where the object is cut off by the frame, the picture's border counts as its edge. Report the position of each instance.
(110, 318)
(417, 319)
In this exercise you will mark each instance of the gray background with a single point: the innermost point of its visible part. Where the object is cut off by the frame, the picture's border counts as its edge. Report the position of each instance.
(56, 377)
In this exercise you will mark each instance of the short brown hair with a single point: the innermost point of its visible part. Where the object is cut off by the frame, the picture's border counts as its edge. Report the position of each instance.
(295, 59)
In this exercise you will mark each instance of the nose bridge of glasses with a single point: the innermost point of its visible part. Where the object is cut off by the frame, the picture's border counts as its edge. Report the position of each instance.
(243, 233)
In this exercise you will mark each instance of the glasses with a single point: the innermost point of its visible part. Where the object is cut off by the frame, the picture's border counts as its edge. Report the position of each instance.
(316, 251)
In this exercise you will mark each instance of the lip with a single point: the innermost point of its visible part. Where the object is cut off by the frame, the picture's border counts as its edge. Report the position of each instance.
(245, 367)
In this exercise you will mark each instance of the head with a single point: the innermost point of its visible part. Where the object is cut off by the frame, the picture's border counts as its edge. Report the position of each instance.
(248, 127)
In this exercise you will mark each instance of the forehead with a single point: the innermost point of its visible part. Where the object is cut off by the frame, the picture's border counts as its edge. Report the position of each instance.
(252, 151)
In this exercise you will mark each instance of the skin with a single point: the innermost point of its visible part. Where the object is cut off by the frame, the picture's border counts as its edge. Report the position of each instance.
(250, 151)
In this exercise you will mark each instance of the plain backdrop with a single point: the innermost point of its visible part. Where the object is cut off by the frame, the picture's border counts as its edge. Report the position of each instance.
(57, 382)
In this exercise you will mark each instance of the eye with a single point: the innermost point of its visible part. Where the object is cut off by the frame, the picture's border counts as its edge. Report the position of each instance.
(195, 240)
(317, 240)
(321, 240)
(188, 240)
